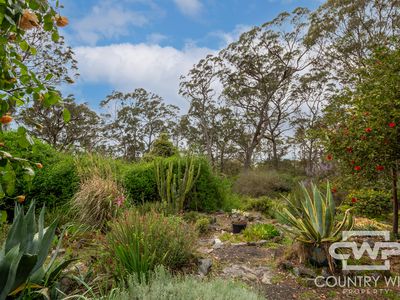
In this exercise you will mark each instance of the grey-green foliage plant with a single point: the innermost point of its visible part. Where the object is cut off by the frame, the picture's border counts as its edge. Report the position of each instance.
(312, 220)
(164, 286)
(173, 188)
(24, 253)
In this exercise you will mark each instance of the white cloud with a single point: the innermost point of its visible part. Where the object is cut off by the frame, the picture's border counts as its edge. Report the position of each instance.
(156, 38)
(106, 20)
(189, 7)
(129, 66)
(229, 37)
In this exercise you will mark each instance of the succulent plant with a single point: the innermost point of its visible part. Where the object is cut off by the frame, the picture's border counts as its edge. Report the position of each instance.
(25, 251)
(173, 188)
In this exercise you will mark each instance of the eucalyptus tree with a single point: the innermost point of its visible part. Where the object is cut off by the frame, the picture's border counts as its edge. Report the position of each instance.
(133, 120)
(260, 72)
(314, 90)
(347, 32)
(199, 88)
(48, 123)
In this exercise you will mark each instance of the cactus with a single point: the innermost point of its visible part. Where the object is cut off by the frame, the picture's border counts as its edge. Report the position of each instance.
(174, 188)
(24, 252)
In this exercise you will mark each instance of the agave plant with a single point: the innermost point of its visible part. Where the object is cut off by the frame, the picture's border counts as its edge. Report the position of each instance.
(313, 222)
(24, 253)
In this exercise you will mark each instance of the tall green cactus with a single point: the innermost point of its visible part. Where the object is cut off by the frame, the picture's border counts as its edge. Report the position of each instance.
(24, 252)
(173, 188)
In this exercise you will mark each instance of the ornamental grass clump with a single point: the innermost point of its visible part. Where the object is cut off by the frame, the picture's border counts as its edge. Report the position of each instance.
(98, 201)
(138, 243)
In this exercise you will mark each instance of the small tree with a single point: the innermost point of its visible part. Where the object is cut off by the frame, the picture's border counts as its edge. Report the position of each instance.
(163, 147)
(363, 126)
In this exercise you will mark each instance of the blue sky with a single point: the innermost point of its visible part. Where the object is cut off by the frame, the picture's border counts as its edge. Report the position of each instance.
(126, 44)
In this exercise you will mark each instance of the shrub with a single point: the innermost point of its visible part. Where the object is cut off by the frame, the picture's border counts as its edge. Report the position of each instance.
(262, 204)
(97, 201)
(257, 232)
(369, 202)
(161, 147)
(258, 183)
(208, 193)
(202, 225)
(56, 183)
(138, 243)
(164, 286)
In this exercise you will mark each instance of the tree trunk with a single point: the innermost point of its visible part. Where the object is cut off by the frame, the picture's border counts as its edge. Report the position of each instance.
(395, 202)
(275, 157)
(248, 159)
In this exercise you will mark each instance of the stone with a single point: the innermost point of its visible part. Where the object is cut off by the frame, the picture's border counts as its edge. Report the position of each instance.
(304, 272)
(205, 266)
(217, 244)
(250, 274)
(239, 244)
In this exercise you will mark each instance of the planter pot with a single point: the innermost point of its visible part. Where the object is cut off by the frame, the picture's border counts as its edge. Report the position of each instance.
(238, 227)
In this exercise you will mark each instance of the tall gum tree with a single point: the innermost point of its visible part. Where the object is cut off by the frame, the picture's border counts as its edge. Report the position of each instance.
(260, 73)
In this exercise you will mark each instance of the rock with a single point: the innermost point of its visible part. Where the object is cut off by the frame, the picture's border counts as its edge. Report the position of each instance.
(204, 250)
(250, 274)
(266, 278)
(205, 266)
(239, 244)
(217, 244)
(304, 272)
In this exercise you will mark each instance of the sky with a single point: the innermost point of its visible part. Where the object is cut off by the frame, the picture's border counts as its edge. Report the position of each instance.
(127, 44)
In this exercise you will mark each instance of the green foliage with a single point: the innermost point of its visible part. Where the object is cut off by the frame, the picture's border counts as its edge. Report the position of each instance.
(202, 224)
(370, 203)
(138, 243)
(207, 194)
(24, 253)
(18, 82)
(314, 221)
(262, 204)
(260, 183)
(140, 183)
(257, 232)
(162, 147)
(164, 286)
(55, 184)
(173, 188)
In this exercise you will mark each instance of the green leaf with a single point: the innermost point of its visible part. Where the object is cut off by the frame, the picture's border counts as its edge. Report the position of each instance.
(66, 115)
(55, 36)
(24, 45)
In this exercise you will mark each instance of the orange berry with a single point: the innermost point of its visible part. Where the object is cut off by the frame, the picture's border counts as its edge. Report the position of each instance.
(39, 165)
(61, 21)
(21, 198)
(6, 119)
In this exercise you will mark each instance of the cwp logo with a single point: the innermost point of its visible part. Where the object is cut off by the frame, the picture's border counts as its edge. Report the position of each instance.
(385, 248)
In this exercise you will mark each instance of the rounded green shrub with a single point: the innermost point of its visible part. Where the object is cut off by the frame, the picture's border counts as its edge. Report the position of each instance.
(369, 202)
(262, 204)
(207, 194)
(257, 232)
(202, 225)
(55, 184)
